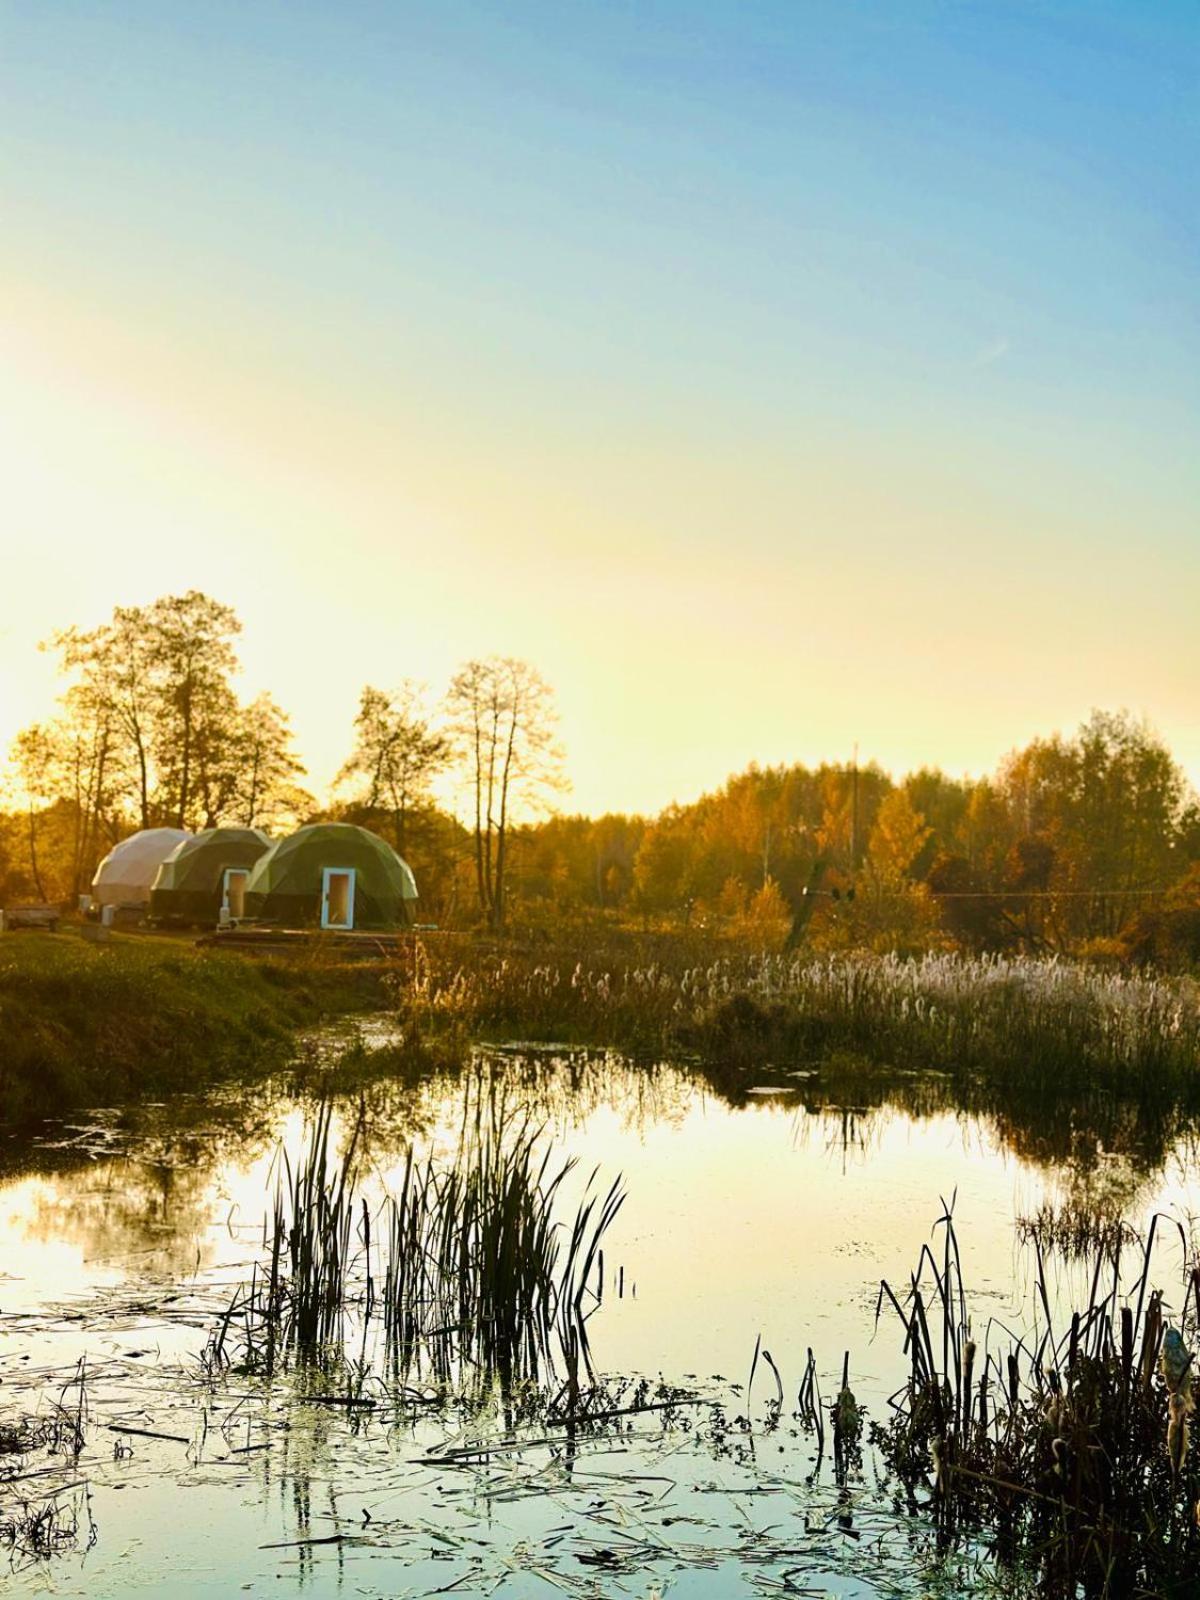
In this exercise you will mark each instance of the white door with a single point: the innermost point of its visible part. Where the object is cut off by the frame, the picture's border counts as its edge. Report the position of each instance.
(233, 892)
(337, 897)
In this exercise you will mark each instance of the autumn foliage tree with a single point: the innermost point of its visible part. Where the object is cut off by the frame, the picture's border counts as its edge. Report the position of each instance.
(1076, 843)
(150, 732)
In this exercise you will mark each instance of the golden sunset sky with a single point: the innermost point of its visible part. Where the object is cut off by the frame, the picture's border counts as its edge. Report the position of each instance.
(774, 378)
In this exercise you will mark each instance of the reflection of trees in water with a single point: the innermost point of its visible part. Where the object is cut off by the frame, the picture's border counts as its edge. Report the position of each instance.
(847, 1133)
(153, 1195)
(127, 1207)
(1099, 1146)
(557, 1092)
(852, 1100)
(144, 1180)
(566, 1090)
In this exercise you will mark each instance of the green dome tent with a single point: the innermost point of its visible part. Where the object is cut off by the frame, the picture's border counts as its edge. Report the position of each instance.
(205, 873)
(332, 875)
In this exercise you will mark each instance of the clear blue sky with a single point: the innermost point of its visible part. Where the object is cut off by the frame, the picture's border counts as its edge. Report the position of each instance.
(774, 376)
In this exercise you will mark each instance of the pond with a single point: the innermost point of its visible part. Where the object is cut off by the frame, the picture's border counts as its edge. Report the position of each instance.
(764, 1215)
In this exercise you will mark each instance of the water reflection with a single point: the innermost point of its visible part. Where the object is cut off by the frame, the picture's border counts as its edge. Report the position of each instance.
(177, 1189)
(767, 1206)
(775, 1204)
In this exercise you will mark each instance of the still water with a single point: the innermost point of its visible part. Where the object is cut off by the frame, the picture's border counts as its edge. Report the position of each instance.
(772, 1212)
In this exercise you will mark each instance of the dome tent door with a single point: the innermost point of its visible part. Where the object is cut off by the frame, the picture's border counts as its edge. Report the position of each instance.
(233, 891)
(337, 897)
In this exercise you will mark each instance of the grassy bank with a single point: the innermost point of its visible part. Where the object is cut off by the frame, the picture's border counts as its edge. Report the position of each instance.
(92, 1024)
(89, 1023)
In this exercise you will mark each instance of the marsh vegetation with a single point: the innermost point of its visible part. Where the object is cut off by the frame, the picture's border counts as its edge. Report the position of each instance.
(465, 1275)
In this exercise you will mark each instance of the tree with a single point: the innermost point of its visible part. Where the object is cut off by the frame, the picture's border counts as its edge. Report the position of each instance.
(766, 917)
(115, 690)
(1130, 800)
(91, 775)
(192, 659)
(397, 752)
(1111, 805)
(970, 913)
(157, 678)
(34, 757)
(266, 792)
(662, 868)
(216, 753)
(502, 721)
(897, 838)
(884, 908)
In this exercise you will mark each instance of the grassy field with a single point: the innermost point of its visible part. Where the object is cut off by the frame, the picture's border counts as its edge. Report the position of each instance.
(84, 1023)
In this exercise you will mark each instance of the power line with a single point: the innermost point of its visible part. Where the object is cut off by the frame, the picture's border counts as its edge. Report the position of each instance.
(997, 894)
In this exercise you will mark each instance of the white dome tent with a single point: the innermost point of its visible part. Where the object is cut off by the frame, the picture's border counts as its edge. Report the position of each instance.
(124, 877)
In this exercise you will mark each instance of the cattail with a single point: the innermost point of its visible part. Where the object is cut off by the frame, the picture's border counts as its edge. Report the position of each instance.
(1053, 1412)
(1178, 1431)
(1175, 1364)
(936, 1447)
(846, 1419)
(968, 1384)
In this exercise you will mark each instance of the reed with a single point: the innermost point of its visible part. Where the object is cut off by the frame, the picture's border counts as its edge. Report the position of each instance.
(298, 1294)
(465, 1274)
(1037, 1024)
(33, 1531)
(480, 1274)
(1076, 1229)
(1070, 1450)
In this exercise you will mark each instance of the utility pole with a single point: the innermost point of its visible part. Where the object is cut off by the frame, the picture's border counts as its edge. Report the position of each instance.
(854, 809)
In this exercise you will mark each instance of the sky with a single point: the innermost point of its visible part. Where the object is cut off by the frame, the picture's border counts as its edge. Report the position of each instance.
(777, 377)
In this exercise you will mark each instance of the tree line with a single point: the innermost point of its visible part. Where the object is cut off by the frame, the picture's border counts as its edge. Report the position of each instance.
(1084, 842)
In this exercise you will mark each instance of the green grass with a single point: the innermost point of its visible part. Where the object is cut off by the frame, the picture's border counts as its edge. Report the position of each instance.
(92, 1024)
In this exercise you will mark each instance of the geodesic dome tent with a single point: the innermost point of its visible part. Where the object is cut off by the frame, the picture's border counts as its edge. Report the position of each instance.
(125, 875)
(205, 873)
(332, 875)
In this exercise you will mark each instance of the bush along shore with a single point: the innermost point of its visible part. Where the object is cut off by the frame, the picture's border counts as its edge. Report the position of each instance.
(86, 1024)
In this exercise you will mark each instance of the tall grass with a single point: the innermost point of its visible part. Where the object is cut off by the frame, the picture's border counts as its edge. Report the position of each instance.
(299, 1293)
(106, 1023)
(1070, 1450)
(467, 1271)
(479, 1271)
(1026, 1021)
(314, 1223)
